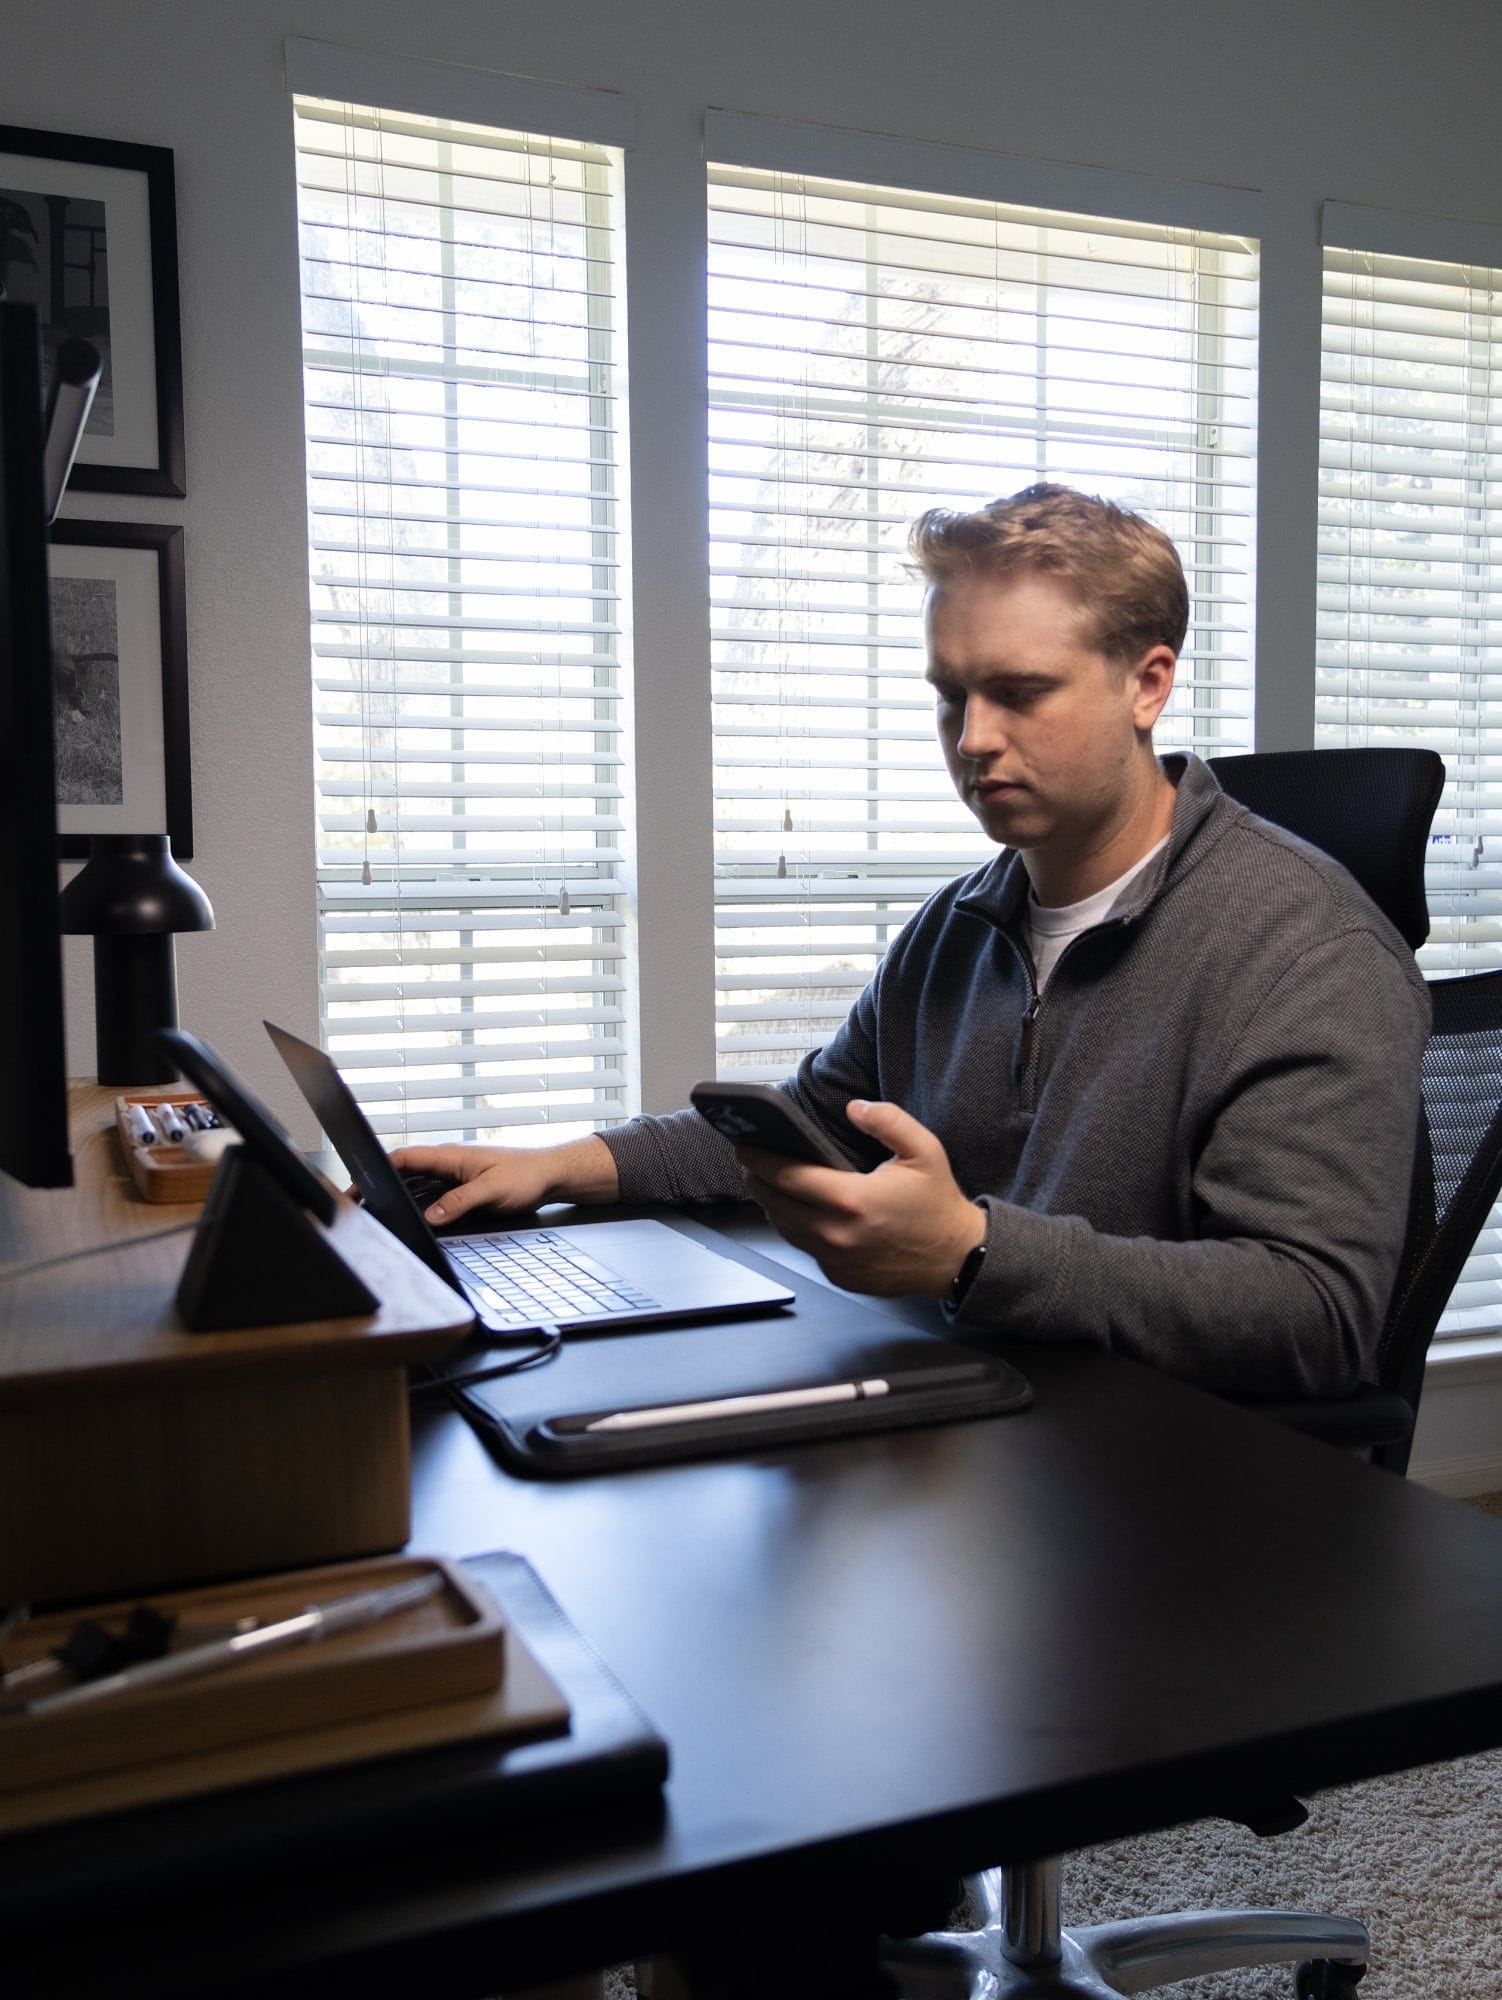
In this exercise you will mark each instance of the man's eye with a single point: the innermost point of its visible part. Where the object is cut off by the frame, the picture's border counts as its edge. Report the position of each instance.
(948, 697)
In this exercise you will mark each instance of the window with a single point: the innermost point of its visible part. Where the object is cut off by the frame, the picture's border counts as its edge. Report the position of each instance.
(1410, 527)
(464, 443)
(874, 351)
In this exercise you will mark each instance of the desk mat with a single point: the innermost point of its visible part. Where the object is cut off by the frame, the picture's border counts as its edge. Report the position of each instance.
(611, 1752)
(532, 1420)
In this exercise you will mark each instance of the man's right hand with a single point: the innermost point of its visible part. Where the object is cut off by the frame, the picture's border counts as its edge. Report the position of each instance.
(512, 1177)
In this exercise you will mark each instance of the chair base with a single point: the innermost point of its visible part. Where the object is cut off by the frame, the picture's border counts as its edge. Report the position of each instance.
(1022, 1952)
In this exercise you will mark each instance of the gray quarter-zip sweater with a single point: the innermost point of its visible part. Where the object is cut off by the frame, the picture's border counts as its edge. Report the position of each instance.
(1195, 1148)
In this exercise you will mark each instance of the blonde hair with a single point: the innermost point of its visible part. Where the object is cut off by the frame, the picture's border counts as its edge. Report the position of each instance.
(1124, 571)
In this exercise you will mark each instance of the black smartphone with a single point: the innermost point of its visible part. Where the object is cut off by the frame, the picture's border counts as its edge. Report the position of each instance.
(756, 1114)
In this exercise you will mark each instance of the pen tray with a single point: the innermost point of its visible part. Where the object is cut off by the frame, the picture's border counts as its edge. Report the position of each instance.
(451, 1646)
(163, 1171)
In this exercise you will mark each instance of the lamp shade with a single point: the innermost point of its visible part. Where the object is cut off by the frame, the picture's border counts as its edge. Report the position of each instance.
(131, 887)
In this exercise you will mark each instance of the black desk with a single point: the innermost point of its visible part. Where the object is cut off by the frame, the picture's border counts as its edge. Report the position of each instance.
(1131, 1606)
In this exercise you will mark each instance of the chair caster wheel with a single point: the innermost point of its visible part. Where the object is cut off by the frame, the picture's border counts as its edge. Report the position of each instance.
(1326, 1979)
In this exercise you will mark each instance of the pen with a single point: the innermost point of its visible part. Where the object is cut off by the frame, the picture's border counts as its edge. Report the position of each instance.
(791, 1399)
(315, 1621)
(172, 1127)
(139, 1120)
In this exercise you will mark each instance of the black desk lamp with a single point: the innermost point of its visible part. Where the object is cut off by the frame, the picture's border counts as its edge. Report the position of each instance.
(130, 896)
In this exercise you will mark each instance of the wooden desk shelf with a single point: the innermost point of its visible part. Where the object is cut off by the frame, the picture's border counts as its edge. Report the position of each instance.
(134, 1454)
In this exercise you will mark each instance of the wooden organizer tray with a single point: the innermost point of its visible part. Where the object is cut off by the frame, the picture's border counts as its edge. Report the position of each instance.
(163, 1172)
(447, 1648)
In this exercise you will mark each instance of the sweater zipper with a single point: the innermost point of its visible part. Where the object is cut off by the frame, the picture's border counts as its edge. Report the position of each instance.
(1025, 1040)
(1030, 1015)
(1028, 1034)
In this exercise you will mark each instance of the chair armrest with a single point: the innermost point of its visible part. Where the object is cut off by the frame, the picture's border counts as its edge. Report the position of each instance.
(1369, 1417)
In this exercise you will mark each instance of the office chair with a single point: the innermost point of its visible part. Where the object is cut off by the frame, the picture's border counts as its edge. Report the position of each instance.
(1371, 809)
(1457, 1176)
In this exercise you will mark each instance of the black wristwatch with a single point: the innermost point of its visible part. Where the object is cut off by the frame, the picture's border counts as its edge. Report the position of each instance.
(965, 1277)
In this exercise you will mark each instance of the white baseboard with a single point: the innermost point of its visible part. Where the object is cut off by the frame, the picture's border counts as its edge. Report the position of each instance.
(1460, 1478)
(1457, 1446)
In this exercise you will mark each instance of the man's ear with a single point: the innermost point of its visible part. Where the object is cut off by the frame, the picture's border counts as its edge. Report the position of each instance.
(1153, 678)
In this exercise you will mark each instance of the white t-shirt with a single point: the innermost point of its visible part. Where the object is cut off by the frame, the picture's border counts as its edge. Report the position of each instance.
(1049, 931)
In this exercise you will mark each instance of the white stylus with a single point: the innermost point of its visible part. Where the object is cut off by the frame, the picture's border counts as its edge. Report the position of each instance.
(738, 1406)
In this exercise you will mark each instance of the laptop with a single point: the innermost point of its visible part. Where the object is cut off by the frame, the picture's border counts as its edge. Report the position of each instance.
(596, 1277)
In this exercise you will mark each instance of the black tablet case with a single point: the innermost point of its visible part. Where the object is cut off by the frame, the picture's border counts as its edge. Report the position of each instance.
(827, 1336)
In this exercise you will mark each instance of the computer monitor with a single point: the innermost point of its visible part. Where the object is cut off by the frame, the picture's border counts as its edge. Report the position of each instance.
(33, 1075)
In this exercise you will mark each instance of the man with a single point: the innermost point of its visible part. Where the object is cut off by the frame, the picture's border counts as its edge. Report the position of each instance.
(1148, 1078)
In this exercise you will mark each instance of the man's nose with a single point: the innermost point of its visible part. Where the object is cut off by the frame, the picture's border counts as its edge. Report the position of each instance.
(983, 732)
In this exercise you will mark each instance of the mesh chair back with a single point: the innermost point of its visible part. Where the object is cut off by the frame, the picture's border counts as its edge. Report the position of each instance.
(1370, 807)
(1457, 1173)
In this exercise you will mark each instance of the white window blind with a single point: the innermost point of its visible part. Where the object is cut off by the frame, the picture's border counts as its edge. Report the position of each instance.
(874, 351)
(464, 443)
(1410, 621)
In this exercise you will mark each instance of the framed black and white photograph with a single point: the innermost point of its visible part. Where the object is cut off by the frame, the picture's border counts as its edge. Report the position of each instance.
(120, 677)
(88, 235)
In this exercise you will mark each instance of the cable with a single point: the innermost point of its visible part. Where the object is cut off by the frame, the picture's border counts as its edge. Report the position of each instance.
(445, 1385)
(95, 1250)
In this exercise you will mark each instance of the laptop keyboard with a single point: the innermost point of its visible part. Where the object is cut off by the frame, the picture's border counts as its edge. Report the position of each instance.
(523, 1279)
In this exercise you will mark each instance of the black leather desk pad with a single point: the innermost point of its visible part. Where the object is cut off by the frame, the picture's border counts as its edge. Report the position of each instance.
(530, 1419)
(610, 1754)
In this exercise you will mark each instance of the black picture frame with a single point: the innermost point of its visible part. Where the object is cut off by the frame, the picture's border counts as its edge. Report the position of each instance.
(124, 236)
(150, 710)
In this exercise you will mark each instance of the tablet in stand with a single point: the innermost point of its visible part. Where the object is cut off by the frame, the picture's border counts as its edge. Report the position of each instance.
(261, 1255)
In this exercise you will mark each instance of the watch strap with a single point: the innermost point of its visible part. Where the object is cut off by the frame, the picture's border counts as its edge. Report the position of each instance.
(965, 1277)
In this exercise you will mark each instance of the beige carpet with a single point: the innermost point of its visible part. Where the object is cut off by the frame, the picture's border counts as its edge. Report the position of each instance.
(1417, 1857)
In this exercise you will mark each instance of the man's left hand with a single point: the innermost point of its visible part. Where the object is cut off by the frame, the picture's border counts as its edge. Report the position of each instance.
(903, 1229)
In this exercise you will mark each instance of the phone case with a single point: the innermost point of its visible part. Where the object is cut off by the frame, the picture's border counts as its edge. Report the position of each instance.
(753, 1121)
